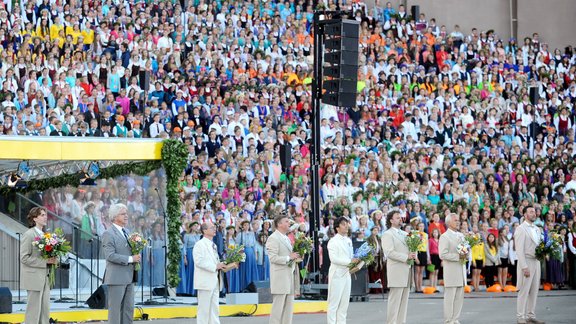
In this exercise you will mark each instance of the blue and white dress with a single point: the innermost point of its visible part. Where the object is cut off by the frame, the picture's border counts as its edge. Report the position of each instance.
(158, 261)
(189, 241)
(263, 262)
(249, 268)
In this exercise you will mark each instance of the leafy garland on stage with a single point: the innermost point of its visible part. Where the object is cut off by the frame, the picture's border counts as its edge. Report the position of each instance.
(174, 160)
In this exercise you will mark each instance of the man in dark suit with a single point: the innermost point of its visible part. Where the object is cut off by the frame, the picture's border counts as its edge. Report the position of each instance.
(120, 272)
(91, 114)
(58, 130)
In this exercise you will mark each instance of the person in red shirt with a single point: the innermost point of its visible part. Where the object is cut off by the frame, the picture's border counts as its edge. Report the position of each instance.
(436, 224)
(493, 227)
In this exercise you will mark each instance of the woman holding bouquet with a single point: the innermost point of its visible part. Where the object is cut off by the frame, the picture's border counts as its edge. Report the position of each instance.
(34, 269)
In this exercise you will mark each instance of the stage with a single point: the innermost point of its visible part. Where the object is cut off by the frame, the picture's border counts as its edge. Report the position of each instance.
(177, 307)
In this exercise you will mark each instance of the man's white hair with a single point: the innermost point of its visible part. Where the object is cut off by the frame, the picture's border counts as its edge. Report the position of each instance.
(449, 217)
(115, 210)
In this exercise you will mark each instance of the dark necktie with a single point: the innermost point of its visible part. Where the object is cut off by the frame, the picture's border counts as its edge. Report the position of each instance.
(126, 236)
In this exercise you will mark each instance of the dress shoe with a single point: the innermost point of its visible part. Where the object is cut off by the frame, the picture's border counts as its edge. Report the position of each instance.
(534, 321)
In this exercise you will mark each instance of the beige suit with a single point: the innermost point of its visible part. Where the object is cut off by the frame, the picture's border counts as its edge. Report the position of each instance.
(284, 281)
(526, 239)
(34, 278)
(454, 275)
(206, 281)
(398, 273)
(339, 281)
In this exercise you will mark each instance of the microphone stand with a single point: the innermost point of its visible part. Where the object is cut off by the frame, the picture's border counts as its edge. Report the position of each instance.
(150, 300)
(19, 276)
(98, 258)
(75, 239)
(165, 247)
(91, 265)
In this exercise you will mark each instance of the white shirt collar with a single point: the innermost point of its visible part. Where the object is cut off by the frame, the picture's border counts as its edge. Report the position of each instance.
(38, 231)
(118, 228)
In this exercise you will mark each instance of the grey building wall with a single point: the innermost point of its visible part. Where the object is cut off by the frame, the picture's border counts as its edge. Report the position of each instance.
(554, 20)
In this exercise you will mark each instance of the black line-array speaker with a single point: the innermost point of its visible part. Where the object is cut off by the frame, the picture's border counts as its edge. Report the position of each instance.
(144, 80)
(340, 68)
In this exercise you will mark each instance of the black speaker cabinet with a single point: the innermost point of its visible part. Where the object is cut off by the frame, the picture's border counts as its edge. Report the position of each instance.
(5, 300)
(263, 290)
(98, 298)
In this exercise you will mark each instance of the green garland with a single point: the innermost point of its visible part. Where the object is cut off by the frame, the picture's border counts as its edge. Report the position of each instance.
(174, 160)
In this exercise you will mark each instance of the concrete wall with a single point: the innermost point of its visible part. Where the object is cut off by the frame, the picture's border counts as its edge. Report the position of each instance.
(554, 20)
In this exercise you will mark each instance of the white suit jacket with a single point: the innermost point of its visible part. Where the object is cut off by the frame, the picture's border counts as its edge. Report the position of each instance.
(205, 262)
(284, 279)
(396, 251)
(454, 270)
(525, 243)
(340, 252)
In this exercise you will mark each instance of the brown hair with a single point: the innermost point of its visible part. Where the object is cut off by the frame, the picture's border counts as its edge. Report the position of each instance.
(33, 213)
(278, 218)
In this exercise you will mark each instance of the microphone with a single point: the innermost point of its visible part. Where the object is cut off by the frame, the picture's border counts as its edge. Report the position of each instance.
(156, 189)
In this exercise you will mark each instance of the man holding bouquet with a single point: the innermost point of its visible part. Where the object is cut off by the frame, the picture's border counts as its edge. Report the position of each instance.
(34, 270)
(207, 267)
(120, 267)
(454, 259)
(284, 280)
(398, 268)
(339, 282)
(526, 238)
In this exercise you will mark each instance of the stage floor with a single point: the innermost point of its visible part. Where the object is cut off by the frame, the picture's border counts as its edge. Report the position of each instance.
(177, 307)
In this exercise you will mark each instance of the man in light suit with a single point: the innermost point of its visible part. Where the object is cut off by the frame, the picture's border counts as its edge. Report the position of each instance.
(339, 282)
(207, 268)
(34, 270)
(119, 274)
(454, 269)
(284, 280)
(398, 271)
(526, 239)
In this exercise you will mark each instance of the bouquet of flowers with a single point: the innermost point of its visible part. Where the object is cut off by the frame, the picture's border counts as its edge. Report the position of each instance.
(550, 245)
(365, 254)
(52, 245)
(137, 245)
(463, 249)
(234, 255)
(413, 240)
(473, 239)
(302, 245)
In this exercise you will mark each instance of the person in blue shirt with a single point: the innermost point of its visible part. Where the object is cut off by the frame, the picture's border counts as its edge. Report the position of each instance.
(158, 94)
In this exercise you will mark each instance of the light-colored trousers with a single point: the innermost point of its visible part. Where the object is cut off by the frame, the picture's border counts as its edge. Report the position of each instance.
(281, 309)
(38, 306)
(338, 298)
(208, 307)
(528, 290)
(453, 300)
(120, 304)
(397, 305)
